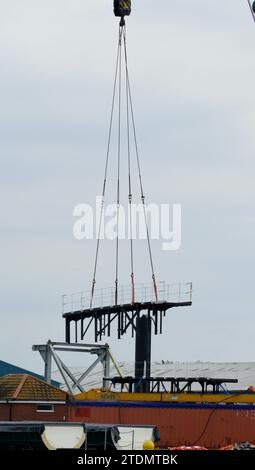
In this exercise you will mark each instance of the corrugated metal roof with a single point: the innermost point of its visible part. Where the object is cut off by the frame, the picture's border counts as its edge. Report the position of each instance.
(28, 388)
(6, 368)
(243, 371)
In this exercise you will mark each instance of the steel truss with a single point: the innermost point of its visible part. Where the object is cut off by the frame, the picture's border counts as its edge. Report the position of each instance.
(49, 353)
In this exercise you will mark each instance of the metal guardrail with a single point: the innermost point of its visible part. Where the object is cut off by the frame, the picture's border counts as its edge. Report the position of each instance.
(80, 301)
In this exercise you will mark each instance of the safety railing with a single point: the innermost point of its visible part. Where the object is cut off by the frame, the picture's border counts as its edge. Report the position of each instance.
(80, 301)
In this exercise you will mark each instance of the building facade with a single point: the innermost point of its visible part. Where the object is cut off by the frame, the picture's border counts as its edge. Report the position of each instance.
(27, 398)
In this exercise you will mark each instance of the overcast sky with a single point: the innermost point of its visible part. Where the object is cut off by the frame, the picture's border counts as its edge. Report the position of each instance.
(192, 65)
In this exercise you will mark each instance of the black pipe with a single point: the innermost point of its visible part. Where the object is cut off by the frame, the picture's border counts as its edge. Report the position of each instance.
(143, 352)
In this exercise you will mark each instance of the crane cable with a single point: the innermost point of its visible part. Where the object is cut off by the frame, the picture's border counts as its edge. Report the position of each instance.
(129, 180)
(252, 10)
(129, 111)
(139, 172)
(106, 169)
(118, 175)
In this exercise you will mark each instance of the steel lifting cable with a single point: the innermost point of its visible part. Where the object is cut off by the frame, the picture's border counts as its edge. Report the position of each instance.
(118, 171)
(139, 173)
(129, 110)
(106, 169)
(129, 182)
(251, 8)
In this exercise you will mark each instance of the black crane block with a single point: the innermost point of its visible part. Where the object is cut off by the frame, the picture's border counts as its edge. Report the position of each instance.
(253, 6)
(122, 8)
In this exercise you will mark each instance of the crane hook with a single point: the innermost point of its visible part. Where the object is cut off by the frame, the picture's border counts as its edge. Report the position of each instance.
(122, 8)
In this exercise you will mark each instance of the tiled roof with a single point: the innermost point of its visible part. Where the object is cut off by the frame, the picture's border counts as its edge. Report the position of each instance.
(7, 368)
(28, 388)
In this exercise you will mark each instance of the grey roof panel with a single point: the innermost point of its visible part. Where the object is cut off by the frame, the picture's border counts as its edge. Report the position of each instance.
(243, 371)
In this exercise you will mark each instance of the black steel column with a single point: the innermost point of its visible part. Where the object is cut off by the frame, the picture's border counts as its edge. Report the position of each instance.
(143, 351)
(68, 333)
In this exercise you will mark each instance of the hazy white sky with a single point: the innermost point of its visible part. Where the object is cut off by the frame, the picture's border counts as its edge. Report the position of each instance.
(193, 73)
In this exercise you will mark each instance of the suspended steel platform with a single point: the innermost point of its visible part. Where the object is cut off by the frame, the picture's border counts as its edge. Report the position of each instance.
(78, 314)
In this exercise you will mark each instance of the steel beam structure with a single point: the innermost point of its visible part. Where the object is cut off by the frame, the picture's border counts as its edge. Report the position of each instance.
(171, 384)
(50, 353)
(124, 316)
(142, 318)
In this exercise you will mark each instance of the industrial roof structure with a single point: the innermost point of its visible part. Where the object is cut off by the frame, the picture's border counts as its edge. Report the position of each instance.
(243, 371)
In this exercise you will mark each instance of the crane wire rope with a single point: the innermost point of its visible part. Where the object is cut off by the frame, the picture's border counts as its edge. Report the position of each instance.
(106, 170)
(129, 117)
(252, 10)
(130, 197)
(139, 173)
(118, 170)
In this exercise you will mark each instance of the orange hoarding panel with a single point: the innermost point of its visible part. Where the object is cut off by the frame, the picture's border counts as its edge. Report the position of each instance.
(212, 427)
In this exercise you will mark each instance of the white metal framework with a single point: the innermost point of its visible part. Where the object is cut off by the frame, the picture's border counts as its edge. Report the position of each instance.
(72, 383)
